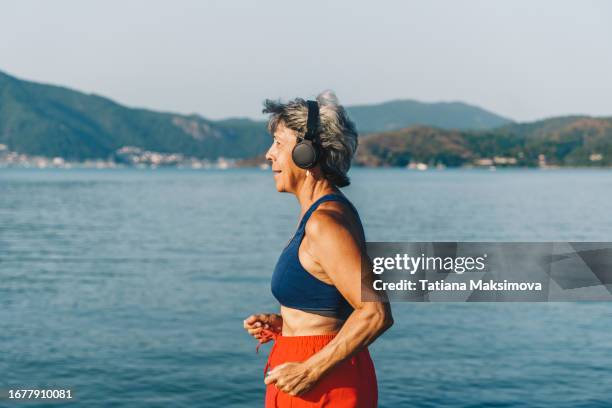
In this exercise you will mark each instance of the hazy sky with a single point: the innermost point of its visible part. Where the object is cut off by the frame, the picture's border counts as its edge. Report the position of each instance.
(522, 59)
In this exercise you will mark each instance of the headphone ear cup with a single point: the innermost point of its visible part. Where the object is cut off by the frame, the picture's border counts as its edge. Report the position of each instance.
(305, 154)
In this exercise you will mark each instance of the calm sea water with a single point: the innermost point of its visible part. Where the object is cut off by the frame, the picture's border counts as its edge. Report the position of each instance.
(130, 286)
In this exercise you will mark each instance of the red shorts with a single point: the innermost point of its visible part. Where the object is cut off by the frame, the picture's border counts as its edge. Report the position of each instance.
(351, 383)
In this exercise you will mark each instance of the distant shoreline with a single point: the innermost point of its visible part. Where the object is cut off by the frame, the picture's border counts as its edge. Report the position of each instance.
(79, 166)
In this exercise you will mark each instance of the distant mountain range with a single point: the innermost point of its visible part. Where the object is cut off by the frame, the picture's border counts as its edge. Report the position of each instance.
(563, 141)
(54, 121)
(48, 120)
(396, 115)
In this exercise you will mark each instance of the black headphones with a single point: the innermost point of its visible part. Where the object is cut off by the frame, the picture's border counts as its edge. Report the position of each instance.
(305, 153)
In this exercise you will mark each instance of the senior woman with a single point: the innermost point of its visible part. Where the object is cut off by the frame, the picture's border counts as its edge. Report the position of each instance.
(320, 355)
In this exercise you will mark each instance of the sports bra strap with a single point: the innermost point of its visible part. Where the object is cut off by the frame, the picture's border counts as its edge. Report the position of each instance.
(327, 197)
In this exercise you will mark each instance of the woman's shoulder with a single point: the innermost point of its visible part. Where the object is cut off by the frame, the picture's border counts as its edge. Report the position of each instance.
(332, 218)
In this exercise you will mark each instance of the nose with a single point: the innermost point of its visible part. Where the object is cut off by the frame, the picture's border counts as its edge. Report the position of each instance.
(269, 154)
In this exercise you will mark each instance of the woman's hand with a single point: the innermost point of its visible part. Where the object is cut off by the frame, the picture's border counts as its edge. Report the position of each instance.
(292, 378)
(256, 323)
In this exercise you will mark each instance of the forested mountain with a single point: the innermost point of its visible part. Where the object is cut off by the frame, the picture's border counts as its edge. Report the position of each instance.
(563, 141)
(395, 115)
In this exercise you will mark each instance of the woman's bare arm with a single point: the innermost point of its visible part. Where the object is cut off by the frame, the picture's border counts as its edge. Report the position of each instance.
(341, 256)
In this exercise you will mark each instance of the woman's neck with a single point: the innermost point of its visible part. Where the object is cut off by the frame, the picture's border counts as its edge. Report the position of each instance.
(314, 188)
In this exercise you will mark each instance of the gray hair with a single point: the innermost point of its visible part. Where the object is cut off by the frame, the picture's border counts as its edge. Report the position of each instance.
(337, 134)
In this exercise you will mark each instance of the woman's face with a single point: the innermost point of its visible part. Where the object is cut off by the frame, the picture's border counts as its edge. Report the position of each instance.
(286, 173)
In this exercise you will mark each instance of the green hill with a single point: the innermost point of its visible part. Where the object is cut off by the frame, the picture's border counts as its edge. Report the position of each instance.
(564, 141)
(49, 120)
(397, 115)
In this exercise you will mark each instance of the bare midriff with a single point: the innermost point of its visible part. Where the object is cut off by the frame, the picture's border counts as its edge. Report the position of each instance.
(299, 323)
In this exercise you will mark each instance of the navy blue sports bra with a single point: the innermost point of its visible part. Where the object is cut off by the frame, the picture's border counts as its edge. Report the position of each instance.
(293, 286)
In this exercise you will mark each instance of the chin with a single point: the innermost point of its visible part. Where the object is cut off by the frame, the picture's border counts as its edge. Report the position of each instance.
(279, 187)
(283, 185)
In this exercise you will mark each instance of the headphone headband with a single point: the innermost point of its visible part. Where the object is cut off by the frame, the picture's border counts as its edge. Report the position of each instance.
(313, 120)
